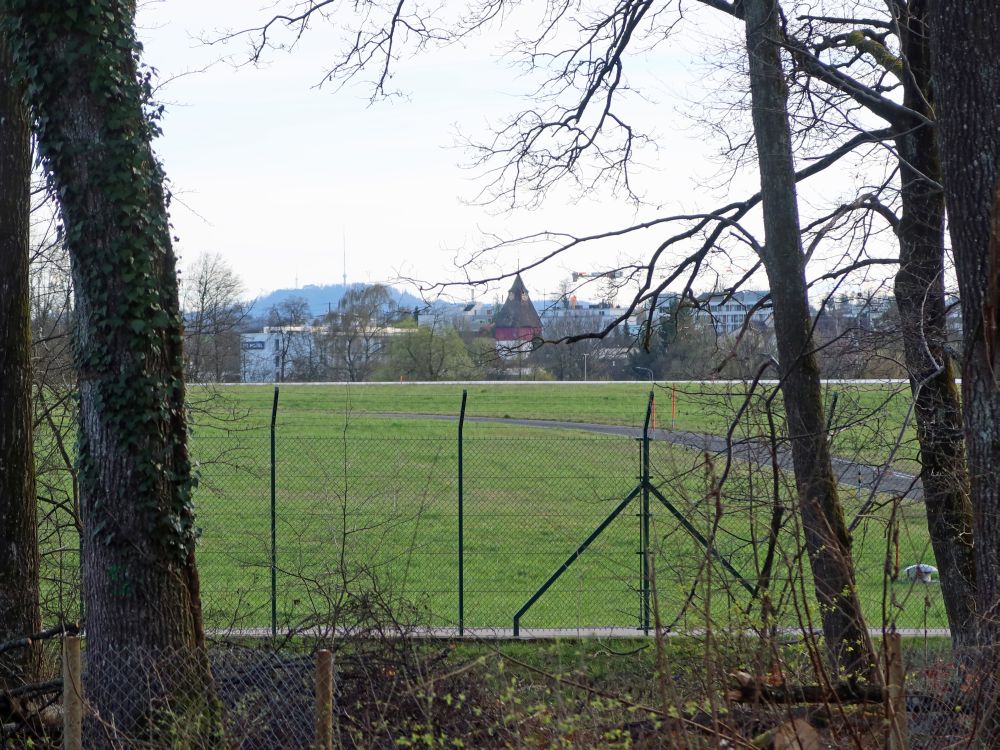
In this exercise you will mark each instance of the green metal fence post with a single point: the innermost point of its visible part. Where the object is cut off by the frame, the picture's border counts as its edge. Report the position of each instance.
(644, 521)
(461, 518)
(274, 519)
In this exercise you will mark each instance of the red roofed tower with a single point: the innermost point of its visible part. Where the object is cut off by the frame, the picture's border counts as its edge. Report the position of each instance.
(518, 321)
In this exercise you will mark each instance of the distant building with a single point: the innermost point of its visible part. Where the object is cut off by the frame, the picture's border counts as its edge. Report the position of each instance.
(475, 316)
(568, 316)
(860, 311)
(307, 353)
(726, 313)
(517, 322)
(269, 356)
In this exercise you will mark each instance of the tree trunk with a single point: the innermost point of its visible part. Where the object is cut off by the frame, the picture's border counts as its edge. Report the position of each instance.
(965, 39)
(826, 538)
(922, 311)
(147, 670)
(18, 509)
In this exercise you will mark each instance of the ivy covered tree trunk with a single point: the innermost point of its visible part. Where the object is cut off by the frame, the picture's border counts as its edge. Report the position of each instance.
(826, 538)
(18, 508)
(147, 672)
(919, 291)
(965, 39)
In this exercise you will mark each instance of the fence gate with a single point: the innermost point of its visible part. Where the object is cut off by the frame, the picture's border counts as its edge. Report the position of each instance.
(528, 499)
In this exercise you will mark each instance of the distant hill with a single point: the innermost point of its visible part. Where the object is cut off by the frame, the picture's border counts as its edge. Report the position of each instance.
(321, 298)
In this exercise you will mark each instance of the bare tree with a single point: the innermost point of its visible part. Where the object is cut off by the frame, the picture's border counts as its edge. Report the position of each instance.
(354, 338)
(214, 308)
(588, 359)
(51, 298)
(677, 345)
(295, 356)
(830, 91)
(920, 296)
(849, 60)
(827, 540)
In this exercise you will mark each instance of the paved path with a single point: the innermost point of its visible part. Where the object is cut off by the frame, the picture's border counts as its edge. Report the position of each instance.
(850, 473)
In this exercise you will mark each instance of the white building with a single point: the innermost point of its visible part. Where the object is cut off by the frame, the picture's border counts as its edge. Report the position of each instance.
(308, 353)
(271, 355)
(726, 313)
(583, 316)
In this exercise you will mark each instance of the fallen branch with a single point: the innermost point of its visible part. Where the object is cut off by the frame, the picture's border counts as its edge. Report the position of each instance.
(27, 640)
(35, 689)
(748, 689)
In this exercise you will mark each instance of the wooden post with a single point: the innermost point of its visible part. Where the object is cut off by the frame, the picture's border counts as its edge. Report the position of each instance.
(895, 693)
(72, 695)
(324, 700)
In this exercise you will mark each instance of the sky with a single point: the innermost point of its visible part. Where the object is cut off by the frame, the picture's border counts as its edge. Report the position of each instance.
(281, 177)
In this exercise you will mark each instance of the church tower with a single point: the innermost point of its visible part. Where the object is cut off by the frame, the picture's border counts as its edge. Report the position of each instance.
(517, 322)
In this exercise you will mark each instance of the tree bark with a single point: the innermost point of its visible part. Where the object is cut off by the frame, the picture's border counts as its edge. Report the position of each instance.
(826, 537)
(147, 669)
(965, 41)
(18, 508)
(919, 291)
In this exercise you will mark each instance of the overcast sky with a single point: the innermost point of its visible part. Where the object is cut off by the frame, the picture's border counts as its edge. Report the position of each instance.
(276, 174)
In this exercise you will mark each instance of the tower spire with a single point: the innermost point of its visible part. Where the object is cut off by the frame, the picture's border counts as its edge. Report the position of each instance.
(344, 248)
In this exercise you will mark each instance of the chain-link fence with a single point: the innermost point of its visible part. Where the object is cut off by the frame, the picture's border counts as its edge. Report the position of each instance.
(551, 510)
(496, 522)
(377, 690)
(381, 690)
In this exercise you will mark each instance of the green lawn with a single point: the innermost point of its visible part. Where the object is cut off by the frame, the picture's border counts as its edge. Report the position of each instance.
(866, 420)
(381, 494)
(364, 494)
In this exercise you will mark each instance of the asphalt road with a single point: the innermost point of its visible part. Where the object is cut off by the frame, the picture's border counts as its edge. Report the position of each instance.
(864, 477)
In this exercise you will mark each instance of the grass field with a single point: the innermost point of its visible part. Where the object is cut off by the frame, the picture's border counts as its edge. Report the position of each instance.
(360, 494)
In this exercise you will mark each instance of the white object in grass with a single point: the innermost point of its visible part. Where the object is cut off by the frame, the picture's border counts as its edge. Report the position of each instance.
(921, 573)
